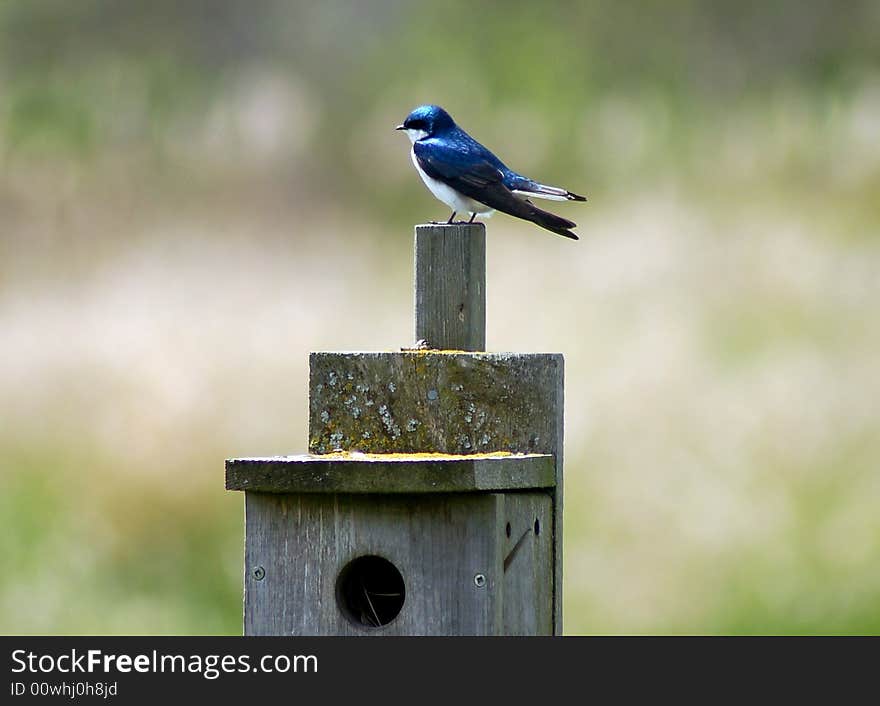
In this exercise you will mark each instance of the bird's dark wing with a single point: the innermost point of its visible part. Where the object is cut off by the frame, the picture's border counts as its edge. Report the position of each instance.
(483, 182)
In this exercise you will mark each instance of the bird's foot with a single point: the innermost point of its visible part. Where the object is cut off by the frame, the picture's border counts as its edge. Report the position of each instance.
(420, 345)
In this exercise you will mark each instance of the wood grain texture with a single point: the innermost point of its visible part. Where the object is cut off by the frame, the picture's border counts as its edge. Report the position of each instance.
(527, 589)
(450, 286)
(390, 474)
(559, 431)
(297, 545)
(424, 401)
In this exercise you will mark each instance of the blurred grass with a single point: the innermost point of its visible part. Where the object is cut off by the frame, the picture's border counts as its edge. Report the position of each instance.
(189, 203)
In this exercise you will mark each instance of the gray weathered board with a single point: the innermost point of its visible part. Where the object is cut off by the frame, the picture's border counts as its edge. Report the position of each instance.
(390, 473)
(416, 401)
(440, 543)
(450, 286)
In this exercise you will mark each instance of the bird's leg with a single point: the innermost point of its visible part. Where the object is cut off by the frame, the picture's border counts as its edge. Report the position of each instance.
(449, 222)
(473, 215)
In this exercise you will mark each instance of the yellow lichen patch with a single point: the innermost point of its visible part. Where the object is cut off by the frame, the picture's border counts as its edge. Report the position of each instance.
(424, 456)
(437, 351)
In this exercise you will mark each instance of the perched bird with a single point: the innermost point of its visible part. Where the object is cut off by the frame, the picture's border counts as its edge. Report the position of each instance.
(467, 177)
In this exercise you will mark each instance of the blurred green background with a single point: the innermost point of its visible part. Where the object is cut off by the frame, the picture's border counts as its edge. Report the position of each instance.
(195, 195)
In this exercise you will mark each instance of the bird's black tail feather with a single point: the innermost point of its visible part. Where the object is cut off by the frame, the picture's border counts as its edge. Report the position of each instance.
(523, 208)
(552, 222)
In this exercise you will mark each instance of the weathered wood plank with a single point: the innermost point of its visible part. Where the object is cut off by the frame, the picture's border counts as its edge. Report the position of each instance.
(297, 545)
(559, 431)
(527, 590)
(417, 401)
(390, 473)
(450, 286)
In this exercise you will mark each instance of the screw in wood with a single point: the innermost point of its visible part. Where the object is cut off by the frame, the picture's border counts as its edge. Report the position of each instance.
(479, 580)
(259, 573)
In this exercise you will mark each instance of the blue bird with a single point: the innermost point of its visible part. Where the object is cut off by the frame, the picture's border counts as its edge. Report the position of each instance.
(467, 177)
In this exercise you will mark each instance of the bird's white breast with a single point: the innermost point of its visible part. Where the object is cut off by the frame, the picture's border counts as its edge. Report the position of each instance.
(456, 201)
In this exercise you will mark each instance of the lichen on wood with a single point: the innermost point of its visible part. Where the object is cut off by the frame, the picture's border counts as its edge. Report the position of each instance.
(427, 401)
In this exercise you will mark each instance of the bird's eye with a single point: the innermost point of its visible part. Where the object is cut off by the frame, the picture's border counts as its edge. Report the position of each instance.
(416, 124)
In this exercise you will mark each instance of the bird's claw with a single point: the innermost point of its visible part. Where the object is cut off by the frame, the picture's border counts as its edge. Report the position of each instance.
(420, 345)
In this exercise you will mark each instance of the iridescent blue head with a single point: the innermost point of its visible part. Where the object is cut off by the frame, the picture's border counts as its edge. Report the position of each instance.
(426, 121)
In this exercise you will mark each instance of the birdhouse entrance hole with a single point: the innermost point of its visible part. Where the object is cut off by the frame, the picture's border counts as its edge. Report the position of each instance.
(370, 591)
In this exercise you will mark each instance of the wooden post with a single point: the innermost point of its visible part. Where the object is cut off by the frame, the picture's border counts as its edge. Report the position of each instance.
(430, 502)
(450, 286)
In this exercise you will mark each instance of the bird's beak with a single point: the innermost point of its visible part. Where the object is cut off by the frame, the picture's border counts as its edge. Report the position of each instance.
(400, 127)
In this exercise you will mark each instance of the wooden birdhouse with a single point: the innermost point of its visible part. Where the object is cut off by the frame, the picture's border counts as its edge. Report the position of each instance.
(430, 502)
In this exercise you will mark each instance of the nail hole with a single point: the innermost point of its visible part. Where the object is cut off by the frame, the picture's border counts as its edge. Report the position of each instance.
(507, 529)
(370, 591)
(537, 527)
